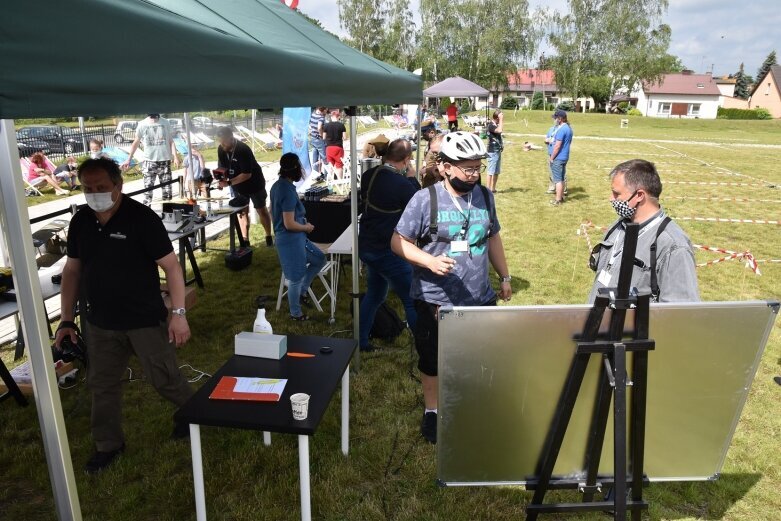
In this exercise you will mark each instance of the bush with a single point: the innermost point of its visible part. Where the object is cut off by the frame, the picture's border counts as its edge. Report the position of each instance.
(633, 112)
(758, 113)
(509, 102)
(538, 101)
(568, 105)
(550, 106)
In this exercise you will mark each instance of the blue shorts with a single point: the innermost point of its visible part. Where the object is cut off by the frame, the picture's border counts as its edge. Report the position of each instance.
(558, 170)
(494, 163)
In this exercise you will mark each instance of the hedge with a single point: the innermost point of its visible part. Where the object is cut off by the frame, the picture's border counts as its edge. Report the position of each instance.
(759, 113)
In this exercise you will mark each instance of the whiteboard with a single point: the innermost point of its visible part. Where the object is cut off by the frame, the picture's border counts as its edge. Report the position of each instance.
(502, 370)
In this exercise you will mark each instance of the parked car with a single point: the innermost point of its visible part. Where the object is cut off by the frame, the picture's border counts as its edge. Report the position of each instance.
(60, 140)
(29, 147)
(177, 125)
(125, 131)
(202, 122)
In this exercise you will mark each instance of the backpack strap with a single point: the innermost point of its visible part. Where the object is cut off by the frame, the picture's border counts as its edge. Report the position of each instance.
(374, 172)
(654, 283)
(433, 226)
(489, 207)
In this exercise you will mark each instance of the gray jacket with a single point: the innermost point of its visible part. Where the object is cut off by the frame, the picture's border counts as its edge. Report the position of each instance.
(675, 268)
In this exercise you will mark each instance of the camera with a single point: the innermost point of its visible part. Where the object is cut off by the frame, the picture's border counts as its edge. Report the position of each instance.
(69, 351)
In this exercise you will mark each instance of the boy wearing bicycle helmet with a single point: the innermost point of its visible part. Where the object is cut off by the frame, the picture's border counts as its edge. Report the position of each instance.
(450, 233)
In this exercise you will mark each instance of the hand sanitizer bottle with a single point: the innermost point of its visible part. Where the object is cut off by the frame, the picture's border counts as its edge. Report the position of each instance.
(261, 324)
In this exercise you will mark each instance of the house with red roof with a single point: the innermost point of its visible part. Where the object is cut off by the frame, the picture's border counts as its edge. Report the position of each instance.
(523, 83)
(680, 95)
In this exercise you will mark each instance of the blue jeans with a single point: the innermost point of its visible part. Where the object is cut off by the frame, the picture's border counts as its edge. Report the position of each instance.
(494, 163)
(299, 274)
(318, 152)
(384, 268)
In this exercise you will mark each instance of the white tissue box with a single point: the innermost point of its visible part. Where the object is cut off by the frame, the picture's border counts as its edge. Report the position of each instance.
(261, 345)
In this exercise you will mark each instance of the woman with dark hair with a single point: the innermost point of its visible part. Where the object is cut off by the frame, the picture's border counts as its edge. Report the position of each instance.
(300, 259)
(38, 168)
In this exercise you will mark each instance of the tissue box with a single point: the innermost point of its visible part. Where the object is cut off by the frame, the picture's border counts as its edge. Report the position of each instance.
(261, 345)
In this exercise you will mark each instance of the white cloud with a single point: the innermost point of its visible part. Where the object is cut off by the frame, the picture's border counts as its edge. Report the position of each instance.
(721, 33)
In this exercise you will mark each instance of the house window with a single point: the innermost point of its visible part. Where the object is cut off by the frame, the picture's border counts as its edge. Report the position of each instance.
(767, 91)
(694, 109)
(664, 108)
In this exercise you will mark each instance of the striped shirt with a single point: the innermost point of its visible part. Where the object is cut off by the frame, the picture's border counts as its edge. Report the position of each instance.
(315, 122)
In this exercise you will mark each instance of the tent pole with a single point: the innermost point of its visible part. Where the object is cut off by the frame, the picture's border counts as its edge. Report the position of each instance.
(17, 233)
(254, 125)
(191, 167)
(417, 151)
(351, 111)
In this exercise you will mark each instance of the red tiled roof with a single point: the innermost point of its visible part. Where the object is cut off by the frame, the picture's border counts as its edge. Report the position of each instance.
(529, 76)
(679, 83)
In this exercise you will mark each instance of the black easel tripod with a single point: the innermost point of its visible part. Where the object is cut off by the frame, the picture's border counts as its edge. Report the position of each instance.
(613, 382)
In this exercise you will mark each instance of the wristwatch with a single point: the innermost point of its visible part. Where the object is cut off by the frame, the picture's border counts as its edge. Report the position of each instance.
(508, 278)
(179, 311)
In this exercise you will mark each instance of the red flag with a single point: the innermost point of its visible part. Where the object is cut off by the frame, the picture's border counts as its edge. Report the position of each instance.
(292, 4)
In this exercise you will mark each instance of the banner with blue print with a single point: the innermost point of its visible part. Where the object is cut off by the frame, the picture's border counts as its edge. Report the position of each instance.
(295, 136)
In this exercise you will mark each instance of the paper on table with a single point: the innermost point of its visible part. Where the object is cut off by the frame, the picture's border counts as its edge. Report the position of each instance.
(248, 389)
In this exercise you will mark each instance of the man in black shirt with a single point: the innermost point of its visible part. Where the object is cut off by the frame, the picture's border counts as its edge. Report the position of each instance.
(245, 177)
(115, 247)
(385, 192)
(335, 133)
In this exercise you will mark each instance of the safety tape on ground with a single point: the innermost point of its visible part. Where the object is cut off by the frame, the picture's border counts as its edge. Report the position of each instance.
(719, 183)
(747, 256)
(724, 220)
(726, 199)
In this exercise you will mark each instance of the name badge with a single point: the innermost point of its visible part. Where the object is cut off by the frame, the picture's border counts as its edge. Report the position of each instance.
(118, 236)
(459, 246)
(604, 278)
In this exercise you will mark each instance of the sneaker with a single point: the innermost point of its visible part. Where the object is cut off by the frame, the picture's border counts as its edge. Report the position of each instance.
(428, 427)
(300, 318)
(101, 460)
(554, 202)
(269, 241)
(181, 431)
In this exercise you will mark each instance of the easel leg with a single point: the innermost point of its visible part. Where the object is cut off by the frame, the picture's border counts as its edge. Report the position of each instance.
(619, 431)
(558, 430)
(597, 433)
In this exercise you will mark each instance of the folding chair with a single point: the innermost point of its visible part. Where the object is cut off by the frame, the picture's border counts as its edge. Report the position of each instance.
(32, 184)
(329, 292)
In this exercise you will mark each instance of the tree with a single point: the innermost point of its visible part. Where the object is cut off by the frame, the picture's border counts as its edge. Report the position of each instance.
(769, 62)
(397, 43)
(364, 22)
(598, 88)
(741, 85)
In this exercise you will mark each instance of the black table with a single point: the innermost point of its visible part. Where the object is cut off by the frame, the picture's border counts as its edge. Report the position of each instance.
(318, 377)
(330, 219)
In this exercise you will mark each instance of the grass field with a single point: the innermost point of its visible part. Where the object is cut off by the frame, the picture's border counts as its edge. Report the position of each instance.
(390, 471)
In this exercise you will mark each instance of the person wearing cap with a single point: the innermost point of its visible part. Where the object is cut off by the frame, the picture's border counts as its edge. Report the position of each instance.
(335, 133)
(449, 232)
(300, 259)
(156, 138)
(243, 175)
(385, 192)
(559, 154)
(375, 147)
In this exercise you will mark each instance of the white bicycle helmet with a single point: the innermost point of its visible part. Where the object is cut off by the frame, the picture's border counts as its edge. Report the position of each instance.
(462, 146)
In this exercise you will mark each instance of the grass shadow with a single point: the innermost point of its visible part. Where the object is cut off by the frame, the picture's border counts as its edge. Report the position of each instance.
(701, 499)
(512, 190)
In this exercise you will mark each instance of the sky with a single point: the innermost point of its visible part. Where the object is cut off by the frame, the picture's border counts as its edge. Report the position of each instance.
(717, 34)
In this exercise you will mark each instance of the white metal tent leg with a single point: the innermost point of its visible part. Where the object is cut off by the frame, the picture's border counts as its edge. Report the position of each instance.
(303, 477)
(266, 438)
(200, 494)
(354, 221)
(346, 411)
(190, 175)
(16, 230)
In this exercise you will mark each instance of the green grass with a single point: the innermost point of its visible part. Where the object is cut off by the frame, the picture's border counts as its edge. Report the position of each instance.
(390, 472)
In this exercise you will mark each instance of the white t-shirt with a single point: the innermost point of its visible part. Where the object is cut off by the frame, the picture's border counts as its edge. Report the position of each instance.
(155, 139)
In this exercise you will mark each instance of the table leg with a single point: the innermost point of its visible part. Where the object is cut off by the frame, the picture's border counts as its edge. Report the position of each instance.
(266, 438)
(200, 495)
(232, 230)
(303, 472)
(346, 411)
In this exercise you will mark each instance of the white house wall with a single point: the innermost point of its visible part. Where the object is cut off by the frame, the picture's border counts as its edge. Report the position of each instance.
(649, 104)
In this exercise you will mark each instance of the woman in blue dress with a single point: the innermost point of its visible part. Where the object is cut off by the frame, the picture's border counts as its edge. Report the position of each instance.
(301, 260)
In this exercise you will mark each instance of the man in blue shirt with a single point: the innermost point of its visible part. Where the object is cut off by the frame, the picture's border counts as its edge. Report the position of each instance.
(559, 155)
(385, 192)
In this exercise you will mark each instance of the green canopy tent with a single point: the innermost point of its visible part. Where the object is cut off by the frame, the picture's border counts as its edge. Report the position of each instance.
(139, 56)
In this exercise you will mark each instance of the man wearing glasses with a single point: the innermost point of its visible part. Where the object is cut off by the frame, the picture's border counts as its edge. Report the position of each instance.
(449, 232)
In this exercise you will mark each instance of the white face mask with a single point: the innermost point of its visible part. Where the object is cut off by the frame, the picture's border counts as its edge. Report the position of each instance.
(100, 202)
(94, 154)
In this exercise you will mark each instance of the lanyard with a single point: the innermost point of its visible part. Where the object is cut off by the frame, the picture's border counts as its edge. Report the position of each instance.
(649, 226)
(465, 226)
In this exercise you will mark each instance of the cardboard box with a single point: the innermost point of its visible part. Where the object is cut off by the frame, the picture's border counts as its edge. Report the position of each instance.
(27, 388)
(190, 298)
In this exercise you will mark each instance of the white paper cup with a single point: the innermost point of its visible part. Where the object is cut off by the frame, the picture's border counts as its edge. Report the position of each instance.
(300, 404)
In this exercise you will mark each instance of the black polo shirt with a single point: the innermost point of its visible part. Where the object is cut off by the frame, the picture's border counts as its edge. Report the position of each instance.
(119, 269)
(242, 161)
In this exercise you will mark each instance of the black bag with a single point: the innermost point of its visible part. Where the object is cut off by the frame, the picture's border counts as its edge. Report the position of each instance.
(387, 324)
(238, 259)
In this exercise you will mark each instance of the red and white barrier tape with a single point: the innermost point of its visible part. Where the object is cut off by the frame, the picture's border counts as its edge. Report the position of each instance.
(719, 183)
(724, 220)
(727, 199)
(747, 256)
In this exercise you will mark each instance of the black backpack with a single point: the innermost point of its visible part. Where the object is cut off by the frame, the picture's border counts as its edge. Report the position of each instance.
(387, 324)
